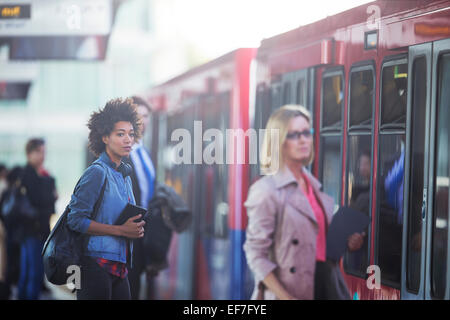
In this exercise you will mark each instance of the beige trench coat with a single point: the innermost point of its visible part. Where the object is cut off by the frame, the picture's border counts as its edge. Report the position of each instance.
(281, 232)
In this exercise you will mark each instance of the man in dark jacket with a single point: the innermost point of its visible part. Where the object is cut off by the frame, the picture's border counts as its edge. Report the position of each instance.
(39, 188)
(143, 179)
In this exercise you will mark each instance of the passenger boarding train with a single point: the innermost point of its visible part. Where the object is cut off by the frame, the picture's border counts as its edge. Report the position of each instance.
(376, 79)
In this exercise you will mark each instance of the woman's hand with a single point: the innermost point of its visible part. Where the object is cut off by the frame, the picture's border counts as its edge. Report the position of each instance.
(287, 296)
(131, 229)
(274, 285)
(355, 241)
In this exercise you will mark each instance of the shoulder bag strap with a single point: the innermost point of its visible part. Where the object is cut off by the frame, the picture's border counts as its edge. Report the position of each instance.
(100, 198)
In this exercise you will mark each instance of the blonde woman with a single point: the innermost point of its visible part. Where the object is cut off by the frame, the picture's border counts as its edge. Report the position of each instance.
(289, 215)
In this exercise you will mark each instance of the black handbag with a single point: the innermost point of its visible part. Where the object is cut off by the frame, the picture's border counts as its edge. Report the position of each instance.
(168, 213)
(18, 204)
(334, 286)
(18, 212)
(172, 208)
(65, 247)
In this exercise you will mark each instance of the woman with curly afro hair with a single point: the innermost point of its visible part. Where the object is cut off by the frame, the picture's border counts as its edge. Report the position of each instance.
(113, 131)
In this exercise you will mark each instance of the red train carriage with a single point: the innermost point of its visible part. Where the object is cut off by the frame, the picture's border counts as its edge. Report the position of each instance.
(376, 80)
(207, 261)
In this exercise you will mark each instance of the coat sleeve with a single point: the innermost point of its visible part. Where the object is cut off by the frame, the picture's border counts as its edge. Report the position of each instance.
(84, 198)
(261, 211)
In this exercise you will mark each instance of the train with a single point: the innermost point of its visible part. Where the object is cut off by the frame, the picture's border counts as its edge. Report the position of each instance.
(375, 79)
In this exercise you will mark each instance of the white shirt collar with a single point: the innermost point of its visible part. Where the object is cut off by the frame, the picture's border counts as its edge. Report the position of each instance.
(137, 145)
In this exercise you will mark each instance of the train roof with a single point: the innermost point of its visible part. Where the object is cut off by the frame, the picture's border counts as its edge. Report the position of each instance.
(218, 74)
(321, 29)
(226, 58)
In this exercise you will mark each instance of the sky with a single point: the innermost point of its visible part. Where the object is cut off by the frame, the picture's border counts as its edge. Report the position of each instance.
(215, 27)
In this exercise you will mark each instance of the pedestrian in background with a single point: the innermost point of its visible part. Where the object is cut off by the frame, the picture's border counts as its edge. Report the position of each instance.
(288, 215)
(13, 228)
(143, 179)
(4, 288)
(41, 192)
(3, 181)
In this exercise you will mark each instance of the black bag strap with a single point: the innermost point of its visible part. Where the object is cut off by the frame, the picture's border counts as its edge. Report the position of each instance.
(100, 198)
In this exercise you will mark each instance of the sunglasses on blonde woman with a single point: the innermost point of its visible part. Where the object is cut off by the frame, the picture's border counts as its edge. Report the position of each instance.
(297, 134)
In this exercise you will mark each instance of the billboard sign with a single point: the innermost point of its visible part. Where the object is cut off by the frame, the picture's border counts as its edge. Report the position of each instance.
(55, 18)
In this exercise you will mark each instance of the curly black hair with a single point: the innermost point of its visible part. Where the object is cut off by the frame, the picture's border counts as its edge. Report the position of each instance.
(102, 123)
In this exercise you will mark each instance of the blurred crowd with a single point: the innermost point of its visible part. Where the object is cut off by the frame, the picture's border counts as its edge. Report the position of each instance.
(27, 200)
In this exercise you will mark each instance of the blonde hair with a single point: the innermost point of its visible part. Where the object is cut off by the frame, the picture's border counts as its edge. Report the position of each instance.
(279, 120)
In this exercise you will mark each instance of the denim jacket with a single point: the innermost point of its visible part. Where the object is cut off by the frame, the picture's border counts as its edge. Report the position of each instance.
(118, 192)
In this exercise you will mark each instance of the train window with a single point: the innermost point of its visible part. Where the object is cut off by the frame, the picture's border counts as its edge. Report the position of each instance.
(331, 166)
(361, 98)
(359, 165)
(359, 195)
(275, 96)
(215, 176)
(416, 191)
(331, 133)
(391, 172)
(441, 184)
(333, 99)
(287, 93)
(393, 98)
(262, 108)
(390, 206)
(301, 92)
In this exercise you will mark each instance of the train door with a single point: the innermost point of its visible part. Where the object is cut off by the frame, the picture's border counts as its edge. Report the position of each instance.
(178, 282)
(425, 256)
(213, 272)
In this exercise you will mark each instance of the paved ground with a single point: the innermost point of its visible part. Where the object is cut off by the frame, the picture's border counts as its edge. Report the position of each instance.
(53, 293)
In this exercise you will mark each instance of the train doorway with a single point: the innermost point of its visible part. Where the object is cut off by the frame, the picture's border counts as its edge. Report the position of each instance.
(425, 250)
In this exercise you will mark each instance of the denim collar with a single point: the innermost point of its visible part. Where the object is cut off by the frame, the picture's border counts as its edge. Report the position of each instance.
(105, 158)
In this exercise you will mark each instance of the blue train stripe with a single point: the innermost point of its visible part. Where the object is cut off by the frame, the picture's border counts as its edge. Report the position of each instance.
(239, 265)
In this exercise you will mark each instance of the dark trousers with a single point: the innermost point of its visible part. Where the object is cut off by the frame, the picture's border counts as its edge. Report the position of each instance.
(99, 284)
(329, 283)
(319, 281)
(134, 273)
(134, 276)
